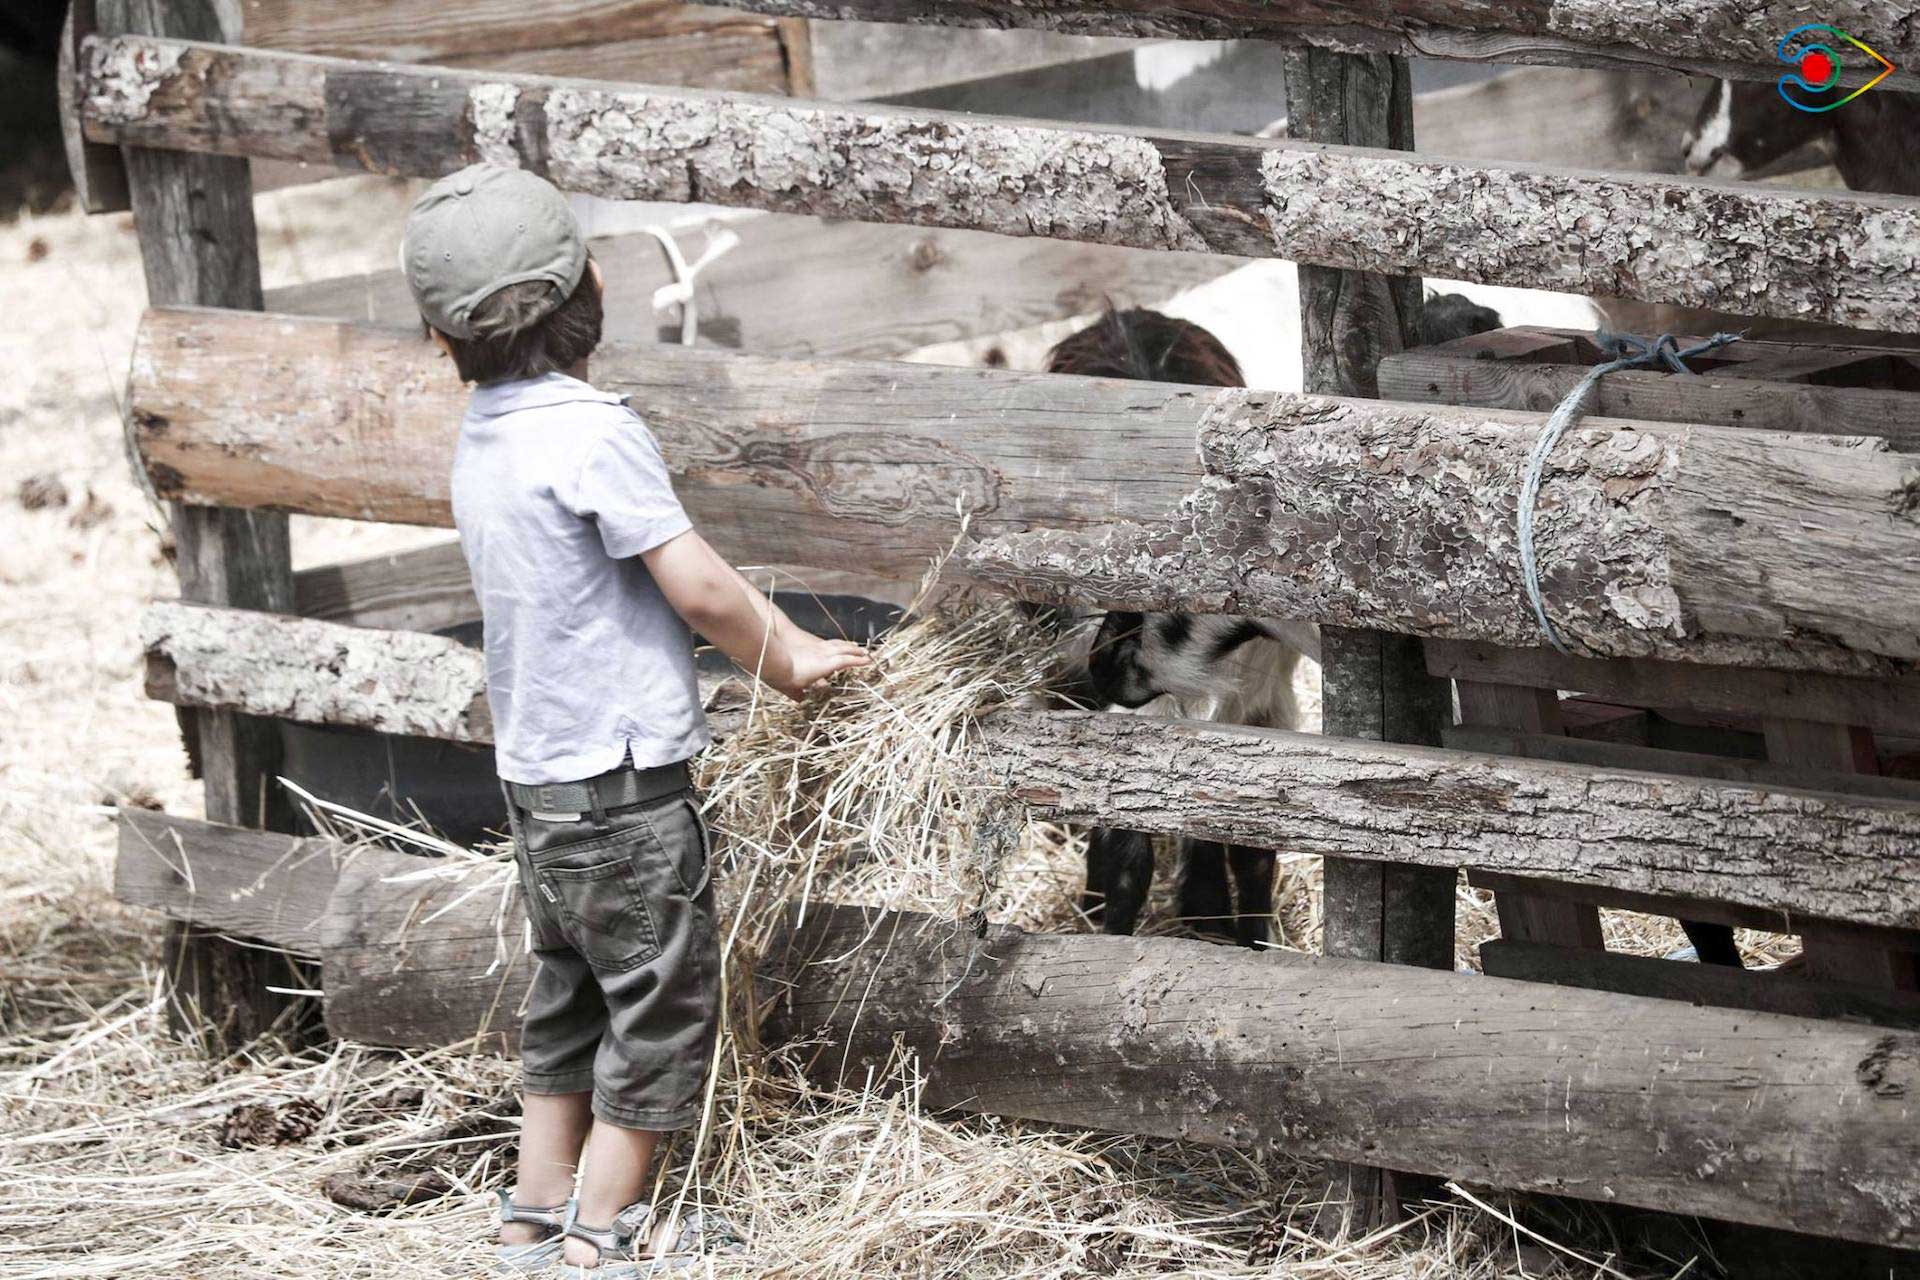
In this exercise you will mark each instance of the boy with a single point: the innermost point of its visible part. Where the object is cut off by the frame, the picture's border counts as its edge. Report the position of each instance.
(589, 576)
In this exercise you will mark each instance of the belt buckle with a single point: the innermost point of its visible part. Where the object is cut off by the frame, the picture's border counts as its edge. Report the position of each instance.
(553, 803)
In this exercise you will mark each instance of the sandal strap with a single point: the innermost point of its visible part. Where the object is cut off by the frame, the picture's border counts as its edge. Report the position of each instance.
(553, 1216)
(617, 1238)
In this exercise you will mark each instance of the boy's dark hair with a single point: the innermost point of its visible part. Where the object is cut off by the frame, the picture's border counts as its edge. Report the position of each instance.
(1146, 346)
(507, 346)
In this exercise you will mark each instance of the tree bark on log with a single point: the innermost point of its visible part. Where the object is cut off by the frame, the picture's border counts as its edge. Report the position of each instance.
(1802, 852)
(401, 682)
(1699, 543)
(1744, 248)
(1708, 37)
(1753, 1118)
(1696, 544)
(1749, 1117)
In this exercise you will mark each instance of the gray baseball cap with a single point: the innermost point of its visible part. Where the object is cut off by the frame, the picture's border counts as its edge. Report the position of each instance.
(479, 230)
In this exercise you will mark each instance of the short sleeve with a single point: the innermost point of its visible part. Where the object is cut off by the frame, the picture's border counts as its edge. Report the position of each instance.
(623, 488)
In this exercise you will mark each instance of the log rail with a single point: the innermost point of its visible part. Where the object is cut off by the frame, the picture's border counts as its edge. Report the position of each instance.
(1693, 37)
(1838, 257)
(1690, 544)
(1750, 1117)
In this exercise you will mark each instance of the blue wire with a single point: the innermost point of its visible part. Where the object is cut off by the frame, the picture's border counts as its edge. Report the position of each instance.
(1629, 352)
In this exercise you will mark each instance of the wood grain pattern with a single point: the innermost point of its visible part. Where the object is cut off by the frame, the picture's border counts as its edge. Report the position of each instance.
(1697, 543)
(807, 287)
(861, 466)
(1701, 544)
(650, 40)
(1762, 385)
(261, 885)
(1803, 852)
(399, 927)
(1747, 1117)
(1892, 705)
(1838, 257)
(1711, 36)
(1700, 984)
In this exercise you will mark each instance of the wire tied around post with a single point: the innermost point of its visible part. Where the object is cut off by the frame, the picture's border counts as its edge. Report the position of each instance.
(1628, 352)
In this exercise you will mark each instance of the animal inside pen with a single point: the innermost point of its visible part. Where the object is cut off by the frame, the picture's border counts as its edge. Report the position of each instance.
(1009, 1089)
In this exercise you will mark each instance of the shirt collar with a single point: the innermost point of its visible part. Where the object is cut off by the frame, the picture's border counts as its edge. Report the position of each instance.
(497, 398)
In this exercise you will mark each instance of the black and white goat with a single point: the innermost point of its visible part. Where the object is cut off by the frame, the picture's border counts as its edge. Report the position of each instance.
(1227, 670)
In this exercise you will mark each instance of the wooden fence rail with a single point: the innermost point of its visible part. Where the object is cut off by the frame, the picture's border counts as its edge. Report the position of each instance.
(1796, 853)
(1834, 256)
(1700, 544)
(1748, 1117)
(1720, 37)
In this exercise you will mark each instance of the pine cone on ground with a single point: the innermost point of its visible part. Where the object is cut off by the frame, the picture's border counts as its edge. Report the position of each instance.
(259, 1124)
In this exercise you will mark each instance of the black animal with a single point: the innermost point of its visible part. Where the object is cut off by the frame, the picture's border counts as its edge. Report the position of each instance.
(1744, 127)
(1228, 670)
(1447, 316)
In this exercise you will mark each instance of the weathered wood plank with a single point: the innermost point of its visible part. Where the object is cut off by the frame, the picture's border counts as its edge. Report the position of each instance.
(1660, 1101)
(1844, 857)
(648, 40)
(318, 672)
(259, 885)
(1748, 1117)
(1623, 755)
(198, 245)
(1525, 916)
(1703, 543)
(1759, 390)
(1776, 919)
(1751, 249)
(429, 588)
(1710, 36)
(804, 287)
(1779, 551)
(422, 590)
(1609, 119)
(455, 929)
(1372, 684)
(779, 462)
(1892, 704)
(99, 175)
(1700, 984)
(268, 664)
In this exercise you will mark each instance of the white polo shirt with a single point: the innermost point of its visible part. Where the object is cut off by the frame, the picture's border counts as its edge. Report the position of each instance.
(557, 489)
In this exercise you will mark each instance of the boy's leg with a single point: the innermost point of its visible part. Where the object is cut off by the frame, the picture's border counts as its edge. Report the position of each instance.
(553, 1128)
(616, 1176)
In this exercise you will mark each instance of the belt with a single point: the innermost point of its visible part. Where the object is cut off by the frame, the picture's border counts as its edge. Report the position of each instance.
(620, 789)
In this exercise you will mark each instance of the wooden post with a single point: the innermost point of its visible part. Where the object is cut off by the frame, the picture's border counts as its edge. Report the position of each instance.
(1524, 917)
(1374, 685)
(194, 216)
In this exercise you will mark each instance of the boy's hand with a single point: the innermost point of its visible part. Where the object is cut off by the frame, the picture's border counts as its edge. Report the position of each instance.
(815, 659)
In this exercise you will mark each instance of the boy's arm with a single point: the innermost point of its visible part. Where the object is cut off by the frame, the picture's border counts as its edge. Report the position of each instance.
(716, 600)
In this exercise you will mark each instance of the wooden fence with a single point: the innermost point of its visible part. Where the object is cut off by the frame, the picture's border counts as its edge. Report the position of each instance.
(1702, 566)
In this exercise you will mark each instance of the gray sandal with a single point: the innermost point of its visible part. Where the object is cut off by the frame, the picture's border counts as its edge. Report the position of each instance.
(539, 1255)
(622, 1245)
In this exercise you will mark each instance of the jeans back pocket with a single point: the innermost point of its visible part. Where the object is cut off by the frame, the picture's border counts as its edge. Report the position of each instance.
(603, 912)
